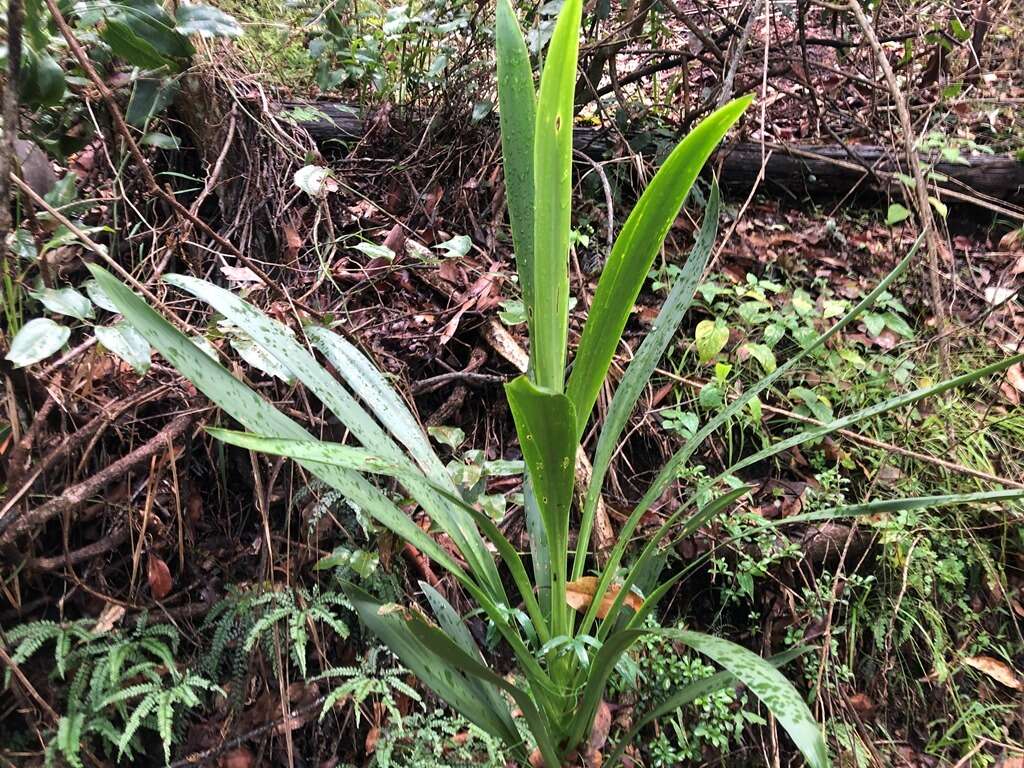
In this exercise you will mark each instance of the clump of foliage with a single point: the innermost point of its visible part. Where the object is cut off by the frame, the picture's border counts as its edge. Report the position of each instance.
(117, 684)
(246, 620)
(438, 740)
(559, 688)
(372, 680)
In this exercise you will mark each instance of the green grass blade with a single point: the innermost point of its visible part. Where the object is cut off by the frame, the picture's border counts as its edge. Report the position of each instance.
(768, 684)
(600, 670)
(894, 402)
(671, 469)
(696, 520)
(552, 163)
(445, 648)
(641, 367)
(319, 453)
(546, 422)
(456, 629)
(633, 254)
(256, 414)
(371, 386)
(392, 625)
(517, 110)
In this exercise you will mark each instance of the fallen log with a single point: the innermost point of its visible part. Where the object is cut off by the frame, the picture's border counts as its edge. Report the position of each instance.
(795, 171)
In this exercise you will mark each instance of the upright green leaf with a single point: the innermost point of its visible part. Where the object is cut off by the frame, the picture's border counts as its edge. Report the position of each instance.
(633, 253)
(642, 366)
(517, 109)
(552, 163)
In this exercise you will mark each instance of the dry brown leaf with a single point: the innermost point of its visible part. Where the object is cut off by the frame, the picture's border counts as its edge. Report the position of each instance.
(111, 614)
(237, 758)
(862, 703)
(371, 740)
(160, 582)
(580, 594)
(998, 670)
(1015, 375)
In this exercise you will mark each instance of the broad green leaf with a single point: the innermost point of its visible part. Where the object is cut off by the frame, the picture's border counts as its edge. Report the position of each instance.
(768, 684)
(552, 163)
(763, 354)
(639, 371)
(392, 624)
(37, 339)
(517, 105)
(127, 45)
(152, 24)
(65, 301)
(125, 342)
(205, 21)
(43, 82)
(896, 214)
(317, 181)
(371, 386)
(456, 629)
(633, 254)
(439, 643)
(711, 337)
(688, 694)
(98, 297)
(277, 341)
(150, 96)
(545, 423)
(455, 247)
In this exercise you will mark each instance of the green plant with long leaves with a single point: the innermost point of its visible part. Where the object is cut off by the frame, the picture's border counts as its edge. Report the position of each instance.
(565, 653)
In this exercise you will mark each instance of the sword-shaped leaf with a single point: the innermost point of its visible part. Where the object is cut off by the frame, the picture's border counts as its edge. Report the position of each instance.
(517, 110)
(552, 164)
(633, 253)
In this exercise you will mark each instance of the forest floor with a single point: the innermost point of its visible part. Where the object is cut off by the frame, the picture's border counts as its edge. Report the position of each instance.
(131, 538)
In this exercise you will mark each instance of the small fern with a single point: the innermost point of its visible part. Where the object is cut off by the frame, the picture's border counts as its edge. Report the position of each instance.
(246, 619)
(119, 682)
(369, 680)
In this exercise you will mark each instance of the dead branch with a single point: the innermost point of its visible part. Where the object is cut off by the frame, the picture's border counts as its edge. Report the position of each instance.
(13, 524)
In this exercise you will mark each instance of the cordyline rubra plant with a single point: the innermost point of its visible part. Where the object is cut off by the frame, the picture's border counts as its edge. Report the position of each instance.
(565, 653)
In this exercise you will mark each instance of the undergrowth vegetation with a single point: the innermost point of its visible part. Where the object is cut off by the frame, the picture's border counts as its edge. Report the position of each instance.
(733, 505)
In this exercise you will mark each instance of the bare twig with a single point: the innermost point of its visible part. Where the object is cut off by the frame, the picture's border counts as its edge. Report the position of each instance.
(13, 524)
(15, 13)
(919, 198)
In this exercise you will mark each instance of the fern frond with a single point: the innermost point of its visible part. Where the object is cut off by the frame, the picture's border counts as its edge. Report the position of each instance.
(135, 722)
